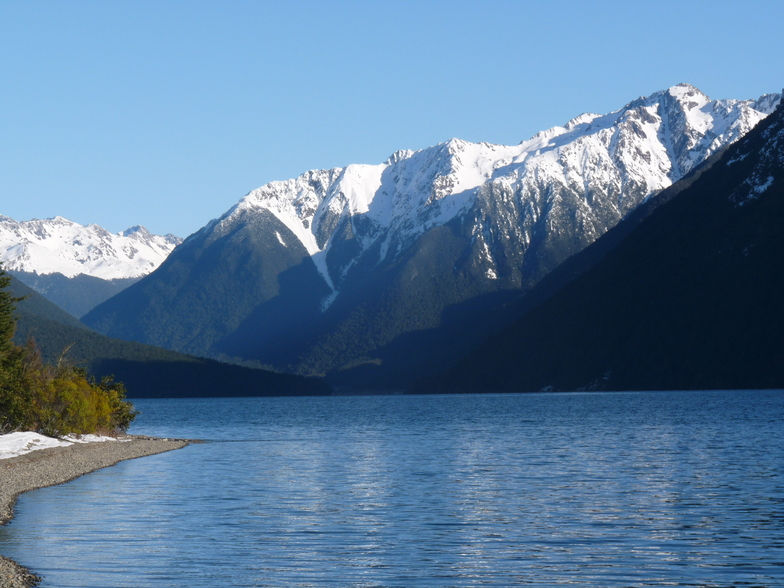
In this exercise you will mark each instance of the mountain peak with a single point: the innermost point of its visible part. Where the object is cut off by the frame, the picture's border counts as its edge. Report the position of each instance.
(399, 155)
(684, 89)
(686, 296)
(455, 145)
(137, 231)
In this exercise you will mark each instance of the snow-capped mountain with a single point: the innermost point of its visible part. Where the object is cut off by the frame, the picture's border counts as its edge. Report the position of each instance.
(688, 299)
(57, 245)
(385, 270)
(587, 174)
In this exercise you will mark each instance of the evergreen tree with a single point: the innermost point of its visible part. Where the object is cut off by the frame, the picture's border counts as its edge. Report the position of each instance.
(7, 321)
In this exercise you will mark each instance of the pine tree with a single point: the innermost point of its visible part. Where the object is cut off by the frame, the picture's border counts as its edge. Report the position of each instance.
(7, 320)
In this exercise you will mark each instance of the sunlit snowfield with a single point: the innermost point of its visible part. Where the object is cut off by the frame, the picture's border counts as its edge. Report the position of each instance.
(625, 489)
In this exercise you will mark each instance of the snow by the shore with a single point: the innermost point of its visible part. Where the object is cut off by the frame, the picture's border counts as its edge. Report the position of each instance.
(14, 444)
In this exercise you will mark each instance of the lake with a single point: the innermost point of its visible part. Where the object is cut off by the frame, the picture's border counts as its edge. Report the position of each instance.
(587, 489)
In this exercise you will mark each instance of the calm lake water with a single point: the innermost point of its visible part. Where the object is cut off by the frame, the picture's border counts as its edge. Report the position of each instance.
(619, 489)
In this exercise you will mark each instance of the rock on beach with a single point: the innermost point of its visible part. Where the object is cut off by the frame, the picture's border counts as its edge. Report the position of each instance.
(12, 575)
(56, 465)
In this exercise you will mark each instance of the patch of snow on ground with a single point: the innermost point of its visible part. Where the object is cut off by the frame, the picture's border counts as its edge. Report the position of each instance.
(738, 158)
(14, 444)
(89, 438)
(760, 188)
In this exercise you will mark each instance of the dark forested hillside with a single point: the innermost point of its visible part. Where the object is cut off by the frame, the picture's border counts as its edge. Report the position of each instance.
(690, 299)
(34, 304)
(77, 295)
(145, 370)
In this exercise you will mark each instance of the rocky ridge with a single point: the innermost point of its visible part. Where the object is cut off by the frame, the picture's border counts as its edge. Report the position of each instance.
(581, 178)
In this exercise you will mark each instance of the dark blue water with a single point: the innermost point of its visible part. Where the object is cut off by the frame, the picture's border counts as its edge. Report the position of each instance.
(632, 489)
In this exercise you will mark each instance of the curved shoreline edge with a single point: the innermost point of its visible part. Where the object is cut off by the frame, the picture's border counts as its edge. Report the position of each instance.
(57, 465)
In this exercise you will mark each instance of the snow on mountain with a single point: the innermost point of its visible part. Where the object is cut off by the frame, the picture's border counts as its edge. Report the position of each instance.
(767, 168)
(586, 174)
(57, 245)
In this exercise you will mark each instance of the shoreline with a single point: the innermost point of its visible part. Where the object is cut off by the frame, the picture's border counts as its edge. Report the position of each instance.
(57, 465)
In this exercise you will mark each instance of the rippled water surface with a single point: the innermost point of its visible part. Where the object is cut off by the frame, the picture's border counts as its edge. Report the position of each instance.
(625, 489)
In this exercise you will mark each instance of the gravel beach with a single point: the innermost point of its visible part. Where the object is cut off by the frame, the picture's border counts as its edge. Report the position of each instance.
(48, 467)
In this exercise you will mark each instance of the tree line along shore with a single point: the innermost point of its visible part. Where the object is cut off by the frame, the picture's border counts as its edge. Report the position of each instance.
(52, 399)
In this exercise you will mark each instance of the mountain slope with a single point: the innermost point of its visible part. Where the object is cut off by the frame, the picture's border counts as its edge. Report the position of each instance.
(691, 299)
(77, 295)
(34, 304)
(374, 275)
(146, 371)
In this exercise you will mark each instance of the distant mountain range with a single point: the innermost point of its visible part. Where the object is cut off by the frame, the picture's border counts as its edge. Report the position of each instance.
(686, 295)
(77, 266)
(377, 275)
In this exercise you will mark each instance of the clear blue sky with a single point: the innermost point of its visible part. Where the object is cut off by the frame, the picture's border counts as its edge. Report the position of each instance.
(165, 113)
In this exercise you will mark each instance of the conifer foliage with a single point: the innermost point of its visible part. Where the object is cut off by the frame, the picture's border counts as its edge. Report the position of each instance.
(55, 399)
